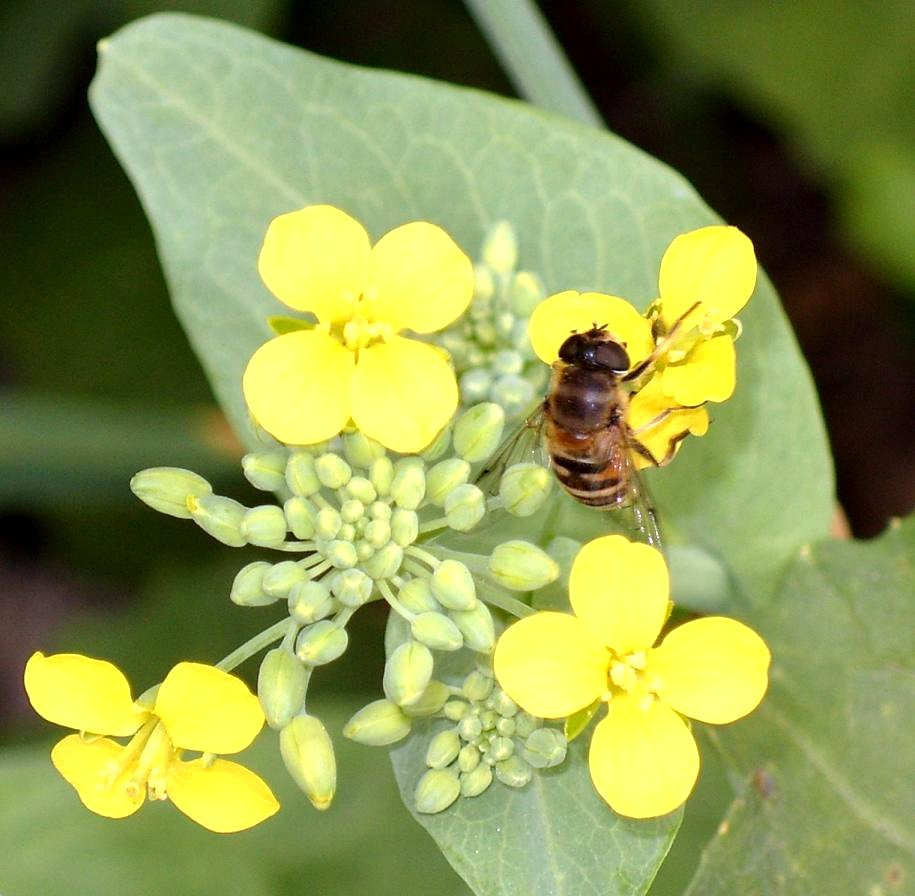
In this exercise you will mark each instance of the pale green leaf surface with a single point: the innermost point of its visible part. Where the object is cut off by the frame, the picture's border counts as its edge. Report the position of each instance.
(827, 764)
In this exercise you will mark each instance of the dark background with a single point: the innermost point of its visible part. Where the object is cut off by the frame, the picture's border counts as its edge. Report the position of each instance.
(796, 125)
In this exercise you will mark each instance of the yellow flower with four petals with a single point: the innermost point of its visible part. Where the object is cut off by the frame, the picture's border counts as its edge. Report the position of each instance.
(643, 758)
(197, 707)
(305, 386)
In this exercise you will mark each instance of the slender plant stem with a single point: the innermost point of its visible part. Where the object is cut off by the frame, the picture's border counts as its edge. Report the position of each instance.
(394, 603)
(496, 597)
(531, 56)
(254, 645)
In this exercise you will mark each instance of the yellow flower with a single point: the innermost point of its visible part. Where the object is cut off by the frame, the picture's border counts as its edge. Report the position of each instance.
(304, 386)
(643, 758)
(198, 708)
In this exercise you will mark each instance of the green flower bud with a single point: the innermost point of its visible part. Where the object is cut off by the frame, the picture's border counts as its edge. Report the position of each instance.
(475, 385)
(455, 710)
(265, 470)
(437, 631)
(476, 627)
(465, 507)
(502, 703)
(488, 718)
(300, 474)
(524, 488)
(219, 517)
(310, 601)
(347, 532)
(363, 549)
(409, 484)
(351, 510)
(378, 724)
(281, 686)
(453, 587)
(416, 596)
(430, 701)
(308, 755)
(526, 724)
(468, 758)
(280, 579)
(381, 474)
(545, 748)
(352, 587)
(360, 450)
(514, 393)
(484, 284)
(504, 322)
(321, 643)
(328, 523)
(477, 686)
(168, 489)
(300, 516)
(470, 727)
(522, 566)
(478, 432)
(445, 476)
(526, 293)
(248, 587)
(507, 361)
(500, 248)
(264, 525)
(342, 554)
(407, 673)
(438, 446)
(436, 791)
(361, 489)
(505, 727)
(380, 510)
(378, 533)
(514, 771)
(333, 471)
(404, 527)
(443, 749)
(384, 563)
(500, 748)
(474, 782)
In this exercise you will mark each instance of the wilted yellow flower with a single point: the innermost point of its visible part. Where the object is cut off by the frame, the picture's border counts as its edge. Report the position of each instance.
(305, 386)
(198, 708)
(643, 758)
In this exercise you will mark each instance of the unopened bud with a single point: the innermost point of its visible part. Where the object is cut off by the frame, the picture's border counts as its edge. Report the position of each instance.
(453, 587)
(436, 791)
(416, 595)
(321, 643)
(443, 749)
(408, 487)
(484, 284)
(525, 724)
(378, 533)
(300, 516)
(407, 673)
(526, 293)
(505, 727)
(308, 755)
(444, 477)
(514, 393)
(470, 727)
(219, 517)
(378, 724)
(362, 489)
(500, 248)
(514, 771)
(309, 602)
(168, 489)
(300, 474)
(280, 579)
(455, 710)
(522, 566)
(248, 587)
(502, 703)
(474, 782)
(438, 446)
(264, 526)
(404, 527)
(545, 748)
(477, 686)
(384, 563)
(352, 587)
(500, 748)
(437, 631)
(328, 523)
(282, 683)
(475, 385)
(476, 626)
(524, 488)
(265, 470)
(333, 471)
(341, 554)
(360, 450)
(431, 700)
(465, 507)
(351, 510)
(478, 432)
(468, 758)
(381, 475)
(488, 719)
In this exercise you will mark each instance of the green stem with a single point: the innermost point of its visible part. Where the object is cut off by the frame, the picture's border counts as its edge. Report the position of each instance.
(419, 554)
(394, 603)
(496, 597)
(256, 644)
(532, 57)
(299, 546)
(432, 525)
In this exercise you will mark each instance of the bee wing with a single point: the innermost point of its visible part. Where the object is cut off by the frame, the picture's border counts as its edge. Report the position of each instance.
(634, 501)
(523, 445)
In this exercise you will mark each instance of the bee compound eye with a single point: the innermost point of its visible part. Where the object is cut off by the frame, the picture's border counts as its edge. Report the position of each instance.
(611, 356)
(570, 350)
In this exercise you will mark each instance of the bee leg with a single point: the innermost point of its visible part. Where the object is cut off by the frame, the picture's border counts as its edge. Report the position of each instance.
(672, 448)
(643, 452)
(653, 422)
(661, 346)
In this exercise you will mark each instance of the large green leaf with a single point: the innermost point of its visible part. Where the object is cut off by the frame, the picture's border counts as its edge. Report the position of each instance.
(826, 763)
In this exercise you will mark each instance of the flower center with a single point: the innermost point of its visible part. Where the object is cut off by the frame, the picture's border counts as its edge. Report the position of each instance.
(626, 674)
(142, 764)
(361, 329)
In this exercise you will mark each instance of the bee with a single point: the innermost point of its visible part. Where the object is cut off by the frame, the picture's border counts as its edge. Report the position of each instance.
(582, 426)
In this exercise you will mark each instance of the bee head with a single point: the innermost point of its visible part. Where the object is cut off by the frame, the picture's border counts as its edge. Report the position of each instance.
(595, 350)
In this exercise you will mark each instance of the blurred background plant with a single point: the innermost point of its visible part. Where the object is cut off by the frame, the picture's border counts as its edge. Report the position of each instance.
(796, 122)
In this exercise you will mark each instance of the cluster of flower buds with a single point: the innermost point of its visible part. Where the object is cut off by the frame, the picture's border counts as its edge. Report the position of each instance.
(489, 344)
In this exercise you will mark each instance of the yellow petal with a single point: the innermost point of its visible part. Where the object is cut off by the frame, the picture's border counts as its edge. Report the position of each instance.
(87, 766)
(226, 797)
(620, 590)
(297, 386)
(206, 709)
(708, 373)
(404, 392)
(643, 759)
(78, 692)
(418, 278)
(714, 670)
(659, 425)
(316, 259)
(550, 664)
(560, 315)
(713, 265)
